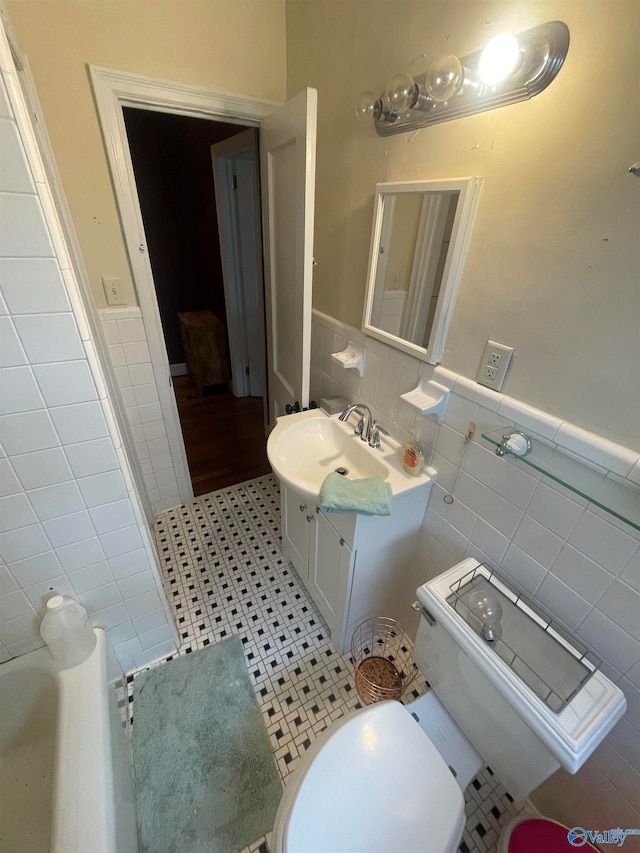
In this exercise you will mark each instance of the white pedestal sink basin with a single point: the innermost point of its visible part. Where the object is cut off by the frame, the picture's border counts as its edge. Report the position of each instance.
(303, 448)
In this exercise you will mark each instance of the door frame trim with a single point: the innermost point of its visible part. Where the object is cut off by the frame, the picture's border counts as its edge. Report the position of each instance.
(114, 90)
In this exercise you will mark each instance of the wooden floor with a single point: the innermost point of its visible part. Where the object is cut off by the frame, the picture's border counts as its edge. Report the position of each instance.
(223, 435)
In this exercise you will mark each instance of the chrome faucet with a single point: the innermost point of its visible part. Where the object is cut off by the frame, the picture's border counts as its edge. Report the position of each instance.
(364, 424)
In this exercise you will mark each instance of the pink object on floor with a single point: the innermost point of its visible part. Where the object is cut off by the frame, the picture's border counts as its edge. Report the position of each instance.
(537, 834)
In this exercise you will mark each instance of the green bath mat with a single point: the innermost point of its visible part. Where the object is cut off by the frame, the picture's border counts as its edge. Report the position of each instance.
(206, 779)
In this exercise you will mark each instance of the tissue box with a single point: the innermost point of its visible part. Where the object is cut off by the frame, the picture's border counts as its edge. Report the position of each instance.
(333, 405)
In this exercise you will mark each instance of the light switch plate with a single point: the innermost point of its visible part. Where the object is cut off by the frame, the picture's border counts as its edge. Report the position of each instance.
(112, 291)
(493, 365)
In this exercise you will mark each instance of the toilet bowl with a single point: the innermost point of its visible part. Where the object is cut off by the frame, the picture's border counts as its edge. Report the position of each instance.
(372, 783)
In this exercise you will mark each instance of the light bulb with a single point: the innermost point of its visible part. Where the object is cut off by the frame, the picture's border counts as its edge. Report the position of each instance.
(485, 605)
(364, 107)
(499, 59)
(401, 93)
(444, 78)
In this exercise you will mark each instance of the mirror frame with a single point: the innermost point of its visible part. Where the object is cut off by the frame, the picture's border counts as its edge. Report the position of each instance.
(469, 193)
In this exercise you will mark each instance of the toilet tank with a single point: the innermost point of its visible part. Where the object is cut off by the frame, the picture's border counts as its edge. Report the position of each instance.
(529, 702)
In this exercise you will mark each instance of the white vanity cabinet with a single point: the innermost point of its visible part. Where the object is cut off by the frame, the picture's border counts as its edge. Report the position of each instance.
(331, 563)
(355, 566)
(298, 516)
(320, 554)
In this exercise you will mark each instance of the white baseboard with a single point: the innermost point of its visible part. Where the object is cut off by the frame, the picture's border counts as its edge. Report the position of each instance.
(178, 369)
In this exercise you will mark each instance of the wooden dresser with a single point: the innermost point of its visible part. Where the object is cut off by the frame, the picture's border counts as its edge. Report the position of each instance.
(205, 348)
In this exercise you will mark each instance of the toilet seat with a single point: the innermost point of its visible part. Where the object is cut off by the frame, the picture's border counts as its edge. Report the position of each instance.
(371, 783)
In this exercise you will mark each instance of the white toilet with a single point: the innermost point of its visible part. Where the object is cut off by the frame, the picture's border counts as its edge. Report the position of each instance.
(390, 777)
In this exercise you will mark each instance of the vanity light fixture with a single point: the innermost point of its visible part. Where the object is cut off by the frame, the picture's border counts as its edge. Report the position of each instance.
(507, 70)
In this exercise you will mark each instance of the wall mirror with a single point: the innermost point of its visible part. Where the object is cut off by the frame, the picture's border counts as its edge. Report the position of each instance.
(421, 231)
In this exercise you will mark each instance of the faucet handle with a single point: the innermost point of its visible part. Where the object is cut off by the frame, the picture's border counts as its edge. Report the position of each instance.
(376, 429)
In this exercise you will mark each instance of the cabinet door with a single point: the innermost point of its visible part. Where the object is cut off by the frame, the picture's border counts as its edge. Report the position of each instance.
(330, 568)
(296, 527)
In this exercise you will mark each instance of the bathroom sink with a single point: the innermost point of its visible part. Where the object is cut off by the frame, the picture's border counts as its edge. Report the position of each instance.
(304, 447)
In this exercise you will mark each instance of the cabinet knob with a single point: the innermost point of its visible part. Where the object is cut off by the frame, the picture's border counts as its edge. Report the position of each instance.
(310, 518)
(303, 507)
(341, 541)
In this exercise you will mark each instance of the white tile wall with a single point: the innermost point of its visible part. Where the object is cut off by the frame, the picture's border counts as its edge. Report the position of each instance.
(125, 334)
(69, 523)
(581, 564)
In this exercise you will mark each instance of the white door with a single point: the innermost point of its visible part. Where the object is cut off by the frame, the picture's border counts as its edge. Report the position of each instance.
(235, 173)
(287, 158)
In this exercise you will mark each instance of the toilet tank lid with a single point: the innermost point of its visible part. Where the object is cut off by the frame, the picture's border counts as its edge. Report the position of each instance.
(375, 783)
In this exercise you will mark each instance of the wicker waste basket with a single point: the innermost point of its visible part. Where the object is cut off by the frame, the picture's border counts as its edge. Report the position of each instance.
(381, 655)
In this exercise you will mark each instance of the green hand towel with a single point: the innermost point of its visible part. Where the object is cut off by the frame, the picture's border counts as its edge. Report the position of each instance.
(371, 496)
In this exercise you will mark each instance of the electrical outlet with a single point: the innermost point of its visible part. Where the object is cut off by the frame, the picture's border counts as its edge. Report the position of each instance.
(493, 365)
(112, 291)
(490, 372)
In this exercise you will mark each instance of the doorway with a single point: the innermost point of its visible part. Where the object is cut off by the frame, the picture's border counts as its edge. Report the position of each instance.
(222, 419)
(287, 180)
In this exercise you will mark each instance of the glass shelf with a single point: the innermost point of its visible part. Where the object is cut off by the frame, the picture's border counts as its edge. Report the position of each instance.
(620, 499)
(553, 665)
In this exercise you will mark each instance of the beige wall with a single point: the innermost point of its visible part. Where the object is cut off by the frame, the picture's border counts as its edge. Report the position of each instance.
(553, 265)
(554, 260)
(235, 46)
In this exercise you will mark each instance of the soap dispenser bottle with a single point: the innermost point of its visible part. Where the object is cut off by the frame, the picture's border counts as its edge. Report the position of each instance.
(413, 455)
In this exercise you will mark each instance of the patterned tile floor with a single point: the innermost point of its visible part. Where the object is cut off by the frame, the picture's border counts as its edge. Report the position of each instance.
(224, 574)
